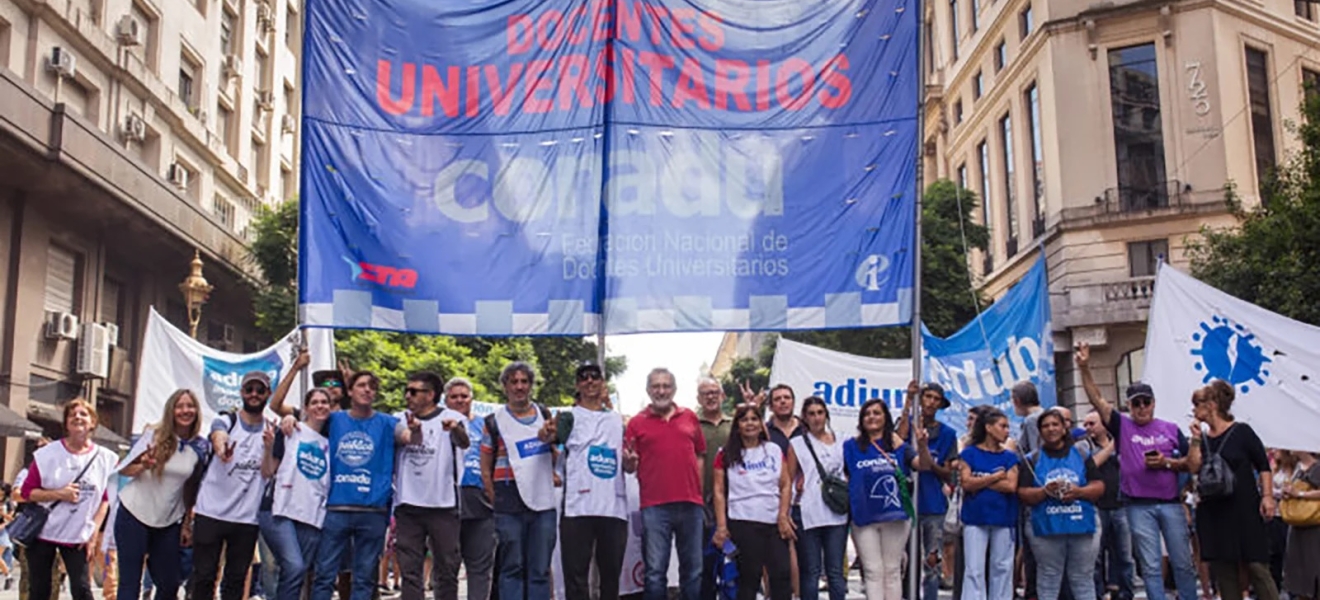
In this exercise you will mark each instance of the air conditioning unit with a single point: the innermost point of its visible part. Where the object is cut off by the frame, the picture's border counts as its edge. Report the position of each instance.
(128, 32)
(112, 333)
(61, 326)
(266, 99)
(135, 128)
(94, 351)
(289, 124)
(62, 62)
(233, 65)
(178, 175)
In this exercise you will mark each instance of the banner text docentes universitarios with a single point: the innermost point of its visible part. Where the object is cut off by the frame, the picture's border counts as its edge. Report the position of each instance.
(574, 166)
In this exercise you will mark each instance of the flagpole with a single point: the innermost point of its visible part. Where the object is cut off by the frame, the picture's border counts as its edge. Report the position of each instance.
(914, 538)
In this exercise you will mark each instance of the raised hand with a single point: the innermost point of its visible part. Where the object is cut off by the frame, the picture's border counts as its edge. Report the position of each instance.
(148, 457)
(749, 395)
(226, 451)
(301, 361)
(1083, 355)
(549, 430)
(288, 425)
(268, 435)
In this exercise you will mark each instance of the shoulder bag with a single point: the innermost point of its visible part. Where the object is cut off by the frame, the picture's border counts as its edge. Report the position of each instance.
(32, 516)
(833, 489)
(1300, 512)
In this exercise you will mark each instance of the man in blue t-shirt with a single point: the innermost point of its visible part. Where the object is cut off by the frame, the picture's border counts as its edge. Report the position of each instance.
(362, 449)
(931, 502)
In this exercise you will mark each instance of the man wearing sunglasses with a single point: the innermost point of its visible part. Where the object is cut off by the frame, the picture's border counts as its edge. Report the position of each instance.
(1151, 451)
(595, 499)
(230, 494)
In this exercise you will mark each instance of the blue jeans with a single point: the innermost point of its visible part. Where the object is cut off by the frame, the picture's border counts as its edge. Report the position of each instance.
(679, 523)
(829, 542)
(294, 546)
(526, 544)
(134, 542)
(1060, 556)
(366, 532)
(1115, 553)
(998, 543)
(1148, 522)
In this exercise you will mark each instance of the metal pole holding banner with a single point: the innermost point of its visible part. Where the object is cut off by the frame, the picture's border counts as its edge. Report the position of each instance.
(914, 538)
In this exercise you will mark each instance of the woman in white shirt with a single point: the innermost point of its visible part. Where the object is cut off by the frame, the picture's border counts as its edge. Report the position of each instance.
(69, 477)
(149, 522)
(291, 522)
(822, 533)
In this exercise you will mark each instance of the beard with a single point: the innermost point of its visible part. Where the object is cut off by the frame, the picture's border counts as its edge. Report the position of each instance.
(253, 409)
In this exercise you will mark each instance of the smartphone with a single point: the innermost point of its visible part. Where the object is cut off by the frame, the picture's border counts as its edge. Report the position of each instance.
(1152, 453)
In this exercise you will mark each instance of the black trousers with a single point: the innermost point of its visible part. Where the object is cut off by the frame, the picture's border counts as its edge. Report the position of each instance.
(211, 537)
(41, 560)
(761, 548)
(581, 539)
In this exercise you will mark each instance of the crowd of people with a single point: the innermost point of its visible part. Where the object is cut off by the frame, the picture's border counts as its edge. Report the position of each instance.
(1057, 511)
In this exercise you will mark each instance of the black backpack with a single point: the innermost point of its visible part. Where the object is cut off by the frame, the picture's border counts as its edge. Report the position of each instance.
(1215, 479)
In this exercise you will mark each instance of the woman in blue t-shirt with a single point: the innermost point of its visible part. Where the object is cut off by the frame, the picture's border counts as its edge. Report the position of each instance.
(1061, 485)
(879, 464)
(990, 507)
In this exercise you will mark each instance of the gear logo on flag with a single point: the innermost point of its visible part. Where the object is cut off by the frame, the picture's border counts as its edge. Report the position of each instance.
(1230, 352)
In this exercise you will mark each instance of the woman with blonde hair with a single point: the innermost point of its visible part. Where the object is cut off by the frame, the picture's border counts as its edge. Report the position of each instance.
(69, 478)
(149, 524)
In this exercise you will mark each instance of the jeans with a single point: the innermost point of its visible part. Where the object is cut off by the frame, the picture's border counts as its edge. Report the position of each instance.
(293, 545)
(761, 548)
(585, 538)
(41, 560)
(158, 546)
(679, 523)
(831, 542)
(1148, 522)
(1060, 556)
(477, 544)
(419, 529)
(238, 540)
(1113, 564)
(365, 531)
(882, 548)
(932, 544)
(978, 543)
(526, 544)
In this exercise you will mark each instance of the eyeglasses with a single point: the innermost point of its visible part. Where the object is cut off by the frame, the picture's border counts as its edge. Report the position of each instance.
(415, 391)
(590, 376)
(254, 388)
(1142, 402)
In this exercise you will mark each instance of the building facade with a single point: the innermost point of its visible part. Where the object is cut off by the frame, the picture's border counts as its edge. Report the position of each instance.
(1103, 133)
(132, 133)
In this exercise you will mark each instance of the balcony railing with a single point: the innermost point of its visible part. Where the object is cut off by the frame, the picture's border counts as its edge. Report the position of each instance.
(1136, 289)
(1141, 198)
(1120, 301)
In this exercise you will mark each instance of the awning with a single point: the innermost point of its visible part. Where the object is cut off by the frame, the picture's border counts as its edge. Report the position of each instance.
(13, 424)
(105, 437)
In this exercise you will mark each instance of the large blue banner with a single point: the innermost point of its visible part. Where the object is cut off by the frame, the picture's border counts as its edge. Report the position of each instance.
(1011, 341)
(571, 166)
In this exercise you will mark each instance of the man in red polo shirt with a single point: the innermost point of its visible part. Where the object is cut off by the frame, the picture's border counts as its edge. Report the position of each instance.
(663, 444)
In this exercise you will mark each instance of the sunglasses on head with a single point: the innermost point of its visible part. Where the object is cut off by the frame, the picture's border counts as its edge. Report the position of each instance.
(413, 391)
(332, 383)
(1142, 401)
(590, 376)
(254, 388)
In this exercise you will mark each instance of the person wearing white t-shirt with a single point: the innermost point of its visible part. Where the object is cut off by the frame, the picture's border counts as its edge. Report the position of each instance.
(426, 492)
(594, 524)
(70, 478)
(149, 521)
(230, 494)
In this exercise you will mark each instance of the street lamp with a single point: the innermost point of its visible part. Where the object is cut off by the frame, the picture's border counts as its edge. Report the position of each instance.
(195, 289)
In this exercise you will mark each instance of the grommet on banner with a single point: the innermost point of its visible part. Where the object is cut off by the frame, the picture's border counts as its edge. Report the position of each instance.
(900, 9)
(851, 135)
(870, 168)
(509, 145)
(633, 132)
(862, 13)
(808, 138)
(850, 201)
(885, 37)
(577, 140)
(549, 143)
(890, 132)
(666, 133)
(598, 135)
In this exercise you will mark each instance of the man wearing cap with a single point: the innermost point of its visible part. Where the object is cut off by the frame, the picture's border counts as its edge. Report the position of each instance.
(1151, 451)
(225, 516)
(595, 518)
(931, 503)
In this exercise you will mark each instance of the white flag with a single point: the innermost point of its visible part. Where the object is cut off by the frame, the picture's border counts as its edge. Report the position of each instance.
(1197, 333)
(845, 381)
(172, 360)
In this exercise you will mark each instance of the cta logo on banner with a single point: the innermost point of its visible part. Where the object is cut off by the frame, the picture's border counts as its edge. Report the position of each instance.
(608, 165)
(1011, 341)
(844, 381)
(222, 379)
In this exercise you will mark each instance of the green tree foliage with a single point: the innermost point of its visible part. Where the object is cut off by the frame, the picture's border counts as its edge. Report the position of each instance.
(391, 356)
(1272, 258)
(948, 299)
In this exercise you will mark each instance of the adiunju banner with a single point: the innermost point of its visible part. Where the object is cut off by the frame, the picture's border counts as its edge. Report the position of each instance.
(845, 381)
(568, 166)
(1011, 341)
(172, 360)
(1197, 333)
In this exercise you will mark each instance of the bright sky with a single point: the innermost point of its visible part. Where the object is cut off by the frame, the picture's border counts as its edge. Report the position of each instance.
(682, 353)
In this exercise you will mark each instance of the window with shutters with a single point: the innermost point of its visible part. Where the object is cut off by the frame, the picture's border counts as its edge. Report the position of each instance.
(1144, 257)
(112, 302)
(61, 279)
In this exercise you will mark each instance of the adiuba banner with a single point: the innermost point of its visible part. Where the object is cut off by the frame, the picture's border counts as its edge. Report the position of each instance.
(1010, 342)
(572, 166)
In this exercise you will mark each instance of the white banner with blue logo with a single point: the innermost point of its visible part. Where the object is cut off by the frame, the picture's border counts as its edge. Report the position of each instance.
(172, 360)
(1197, 333)
(1010, 342)
(845, 381)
